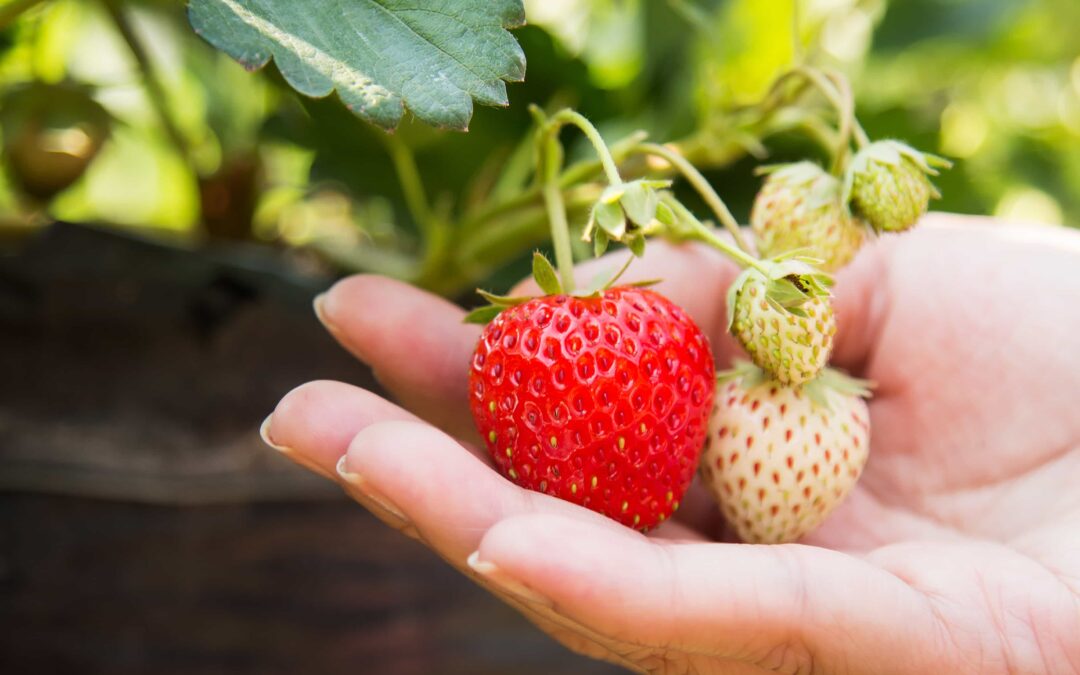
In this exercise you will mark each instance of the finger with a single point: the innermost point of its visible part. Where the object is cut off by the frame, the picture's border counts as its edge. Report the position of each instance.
(414, 341)
(314, 423)
(449, 495)
(769, 606)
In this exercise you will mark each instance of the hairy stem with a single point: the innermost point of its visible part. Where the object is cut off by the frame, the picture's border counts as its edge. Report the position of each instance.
(694, 177)
(839, 96)
(548, 159)
(568, 116)
(698, 231)
(412, 185)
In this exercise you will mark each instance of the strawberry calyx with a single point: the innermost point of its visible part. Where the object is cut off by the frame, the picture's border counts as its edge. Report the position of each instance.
(626, 213)
(822, 390)
(548, 280)
(790, 282)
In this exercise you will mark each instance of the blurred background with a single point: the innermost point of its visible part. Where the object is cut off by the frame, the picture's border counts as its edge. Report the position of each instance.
(166, 218)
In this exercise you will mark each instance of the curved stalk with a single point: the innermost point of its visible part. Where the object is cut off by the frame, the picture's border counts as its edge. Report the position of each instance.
(700, 232)
(568, 116)
(839, 96)
(844, 87)
(694, 177)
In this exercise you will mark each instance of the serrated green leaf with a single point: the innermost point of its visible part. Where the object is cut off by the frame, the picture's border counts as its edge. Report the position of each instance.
(546, 276)
(381, 56)
(483, 314)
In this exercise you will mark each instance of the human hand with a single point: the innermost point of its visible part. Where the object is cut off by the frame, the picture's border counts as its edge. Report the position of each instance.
(958, 550)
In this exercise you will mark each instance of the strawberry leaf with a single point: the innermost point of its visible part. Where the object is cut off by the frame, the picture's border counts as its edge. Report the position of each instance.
(600, 243)
(502, 300)
(546, 277)
(482, 315)
(381, 56)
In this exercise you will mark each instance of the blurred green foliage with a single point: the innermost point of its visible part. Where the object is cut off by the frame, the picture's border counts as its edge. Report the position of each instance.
(992, 84)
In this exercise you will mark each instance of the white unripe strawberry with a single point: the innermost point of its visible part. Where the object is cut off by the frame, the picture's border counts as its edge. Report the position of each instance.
(779, 459)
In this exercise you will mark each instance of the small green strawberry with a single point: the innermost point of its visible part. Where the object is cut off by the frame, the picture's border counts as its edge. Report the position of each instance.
(783, 319)
(887, 185)
(799, 208)
(779, 459)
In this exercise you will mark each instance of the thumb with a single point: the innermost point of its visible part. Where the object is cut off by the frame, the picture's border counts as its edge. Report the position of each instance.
(798, 608)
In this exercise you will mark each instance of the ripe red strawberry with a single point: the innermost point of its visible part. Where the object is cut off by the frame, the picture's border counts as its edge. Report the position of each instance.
(780, 459)
(600, 400)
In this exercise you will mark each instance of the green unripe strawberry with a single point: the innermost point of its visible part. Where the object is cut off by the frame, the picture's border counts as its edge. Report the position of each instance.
(783, 320)
(887, 185)
(800, 208)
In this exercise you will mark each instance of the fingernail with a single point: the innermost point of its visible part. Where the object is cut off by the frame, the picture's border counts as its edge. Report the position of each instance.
(292, 455)
(320, 313)
(495, 575)
(361, 489)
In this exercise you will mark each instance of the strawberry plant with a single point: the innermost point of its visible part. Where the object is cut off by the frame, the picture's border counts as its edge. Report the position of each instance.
(599, 395)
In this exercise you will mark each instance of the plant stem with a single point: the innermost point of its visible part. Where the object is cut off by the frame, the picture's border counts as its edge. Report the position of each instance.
(412, 186)
(154, 91)
(15, 9)
(700, 232)
(567, 116)
(861, 139)
(434, 228)
(694, 177)
(548, 158)
(839, 95)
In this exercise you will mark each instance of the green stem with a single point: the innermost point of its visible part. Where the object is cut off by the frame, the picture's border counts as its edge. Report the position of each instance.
(573, 175)
(700, 232)
(838, 94)
(694, 177)
(434, 228)
(548, 160)
(568, 116)
(412, 186)
(861, 139)
(154, 91)
(12, 11)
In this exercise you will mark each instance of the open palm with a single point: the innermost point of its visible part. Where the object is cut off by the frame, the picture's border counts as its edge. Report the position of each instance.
(958, 551)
